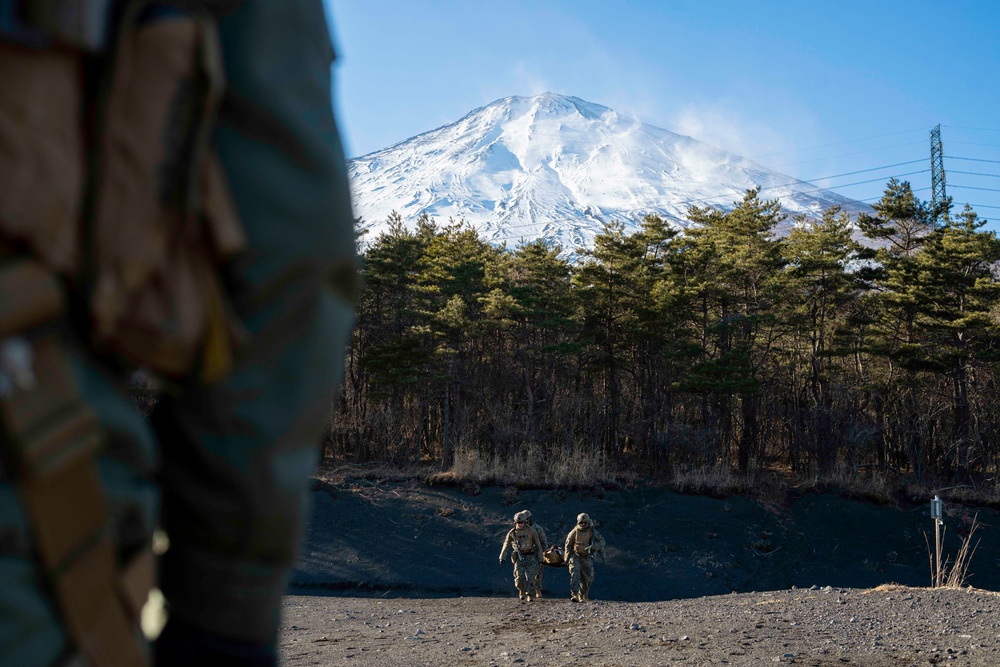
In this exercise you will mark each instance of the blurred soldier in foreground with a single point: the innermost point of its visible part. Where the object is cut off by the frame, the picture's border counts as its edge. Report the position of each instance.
(536, 583)
(526, 549)
(582, 544)
(173, 197)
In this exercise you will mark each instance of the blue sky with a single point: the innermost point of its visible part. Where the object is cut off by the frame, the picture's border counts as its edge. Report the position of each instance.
(810, 89)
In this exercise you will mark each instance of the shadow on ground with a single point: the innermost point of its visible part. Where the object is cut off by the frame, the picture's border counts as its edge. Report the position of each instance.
(407, 539)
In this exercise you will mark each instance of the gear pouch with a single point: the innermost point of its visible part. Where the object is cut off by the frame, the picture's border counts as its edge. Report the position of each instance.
(41, 152)
(163, 219)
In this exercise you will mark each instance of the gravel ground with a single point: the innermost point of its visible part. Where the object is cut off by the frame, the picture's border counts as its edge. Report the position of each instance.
(885, 626)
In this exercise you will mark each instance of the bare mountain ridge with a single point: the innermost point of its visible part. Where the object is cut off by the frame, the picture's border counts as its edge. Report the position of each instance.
(559, 168)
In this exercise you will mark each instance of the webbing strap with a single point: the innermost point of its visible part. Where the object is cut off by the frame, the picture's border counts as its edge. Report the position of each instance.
(94, 615)
(54, 438)
(49, 439)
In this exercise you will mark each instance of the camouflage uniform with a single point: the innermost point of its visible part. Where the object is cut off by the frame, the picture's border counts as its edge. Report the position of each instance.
(536, 583)
(582, 544)
(526, 549)
(222, 466)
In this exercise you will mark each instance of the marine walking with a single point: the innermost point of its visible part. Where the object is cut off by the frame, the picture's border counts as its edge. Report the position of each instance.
(583, 543)
(526, 549)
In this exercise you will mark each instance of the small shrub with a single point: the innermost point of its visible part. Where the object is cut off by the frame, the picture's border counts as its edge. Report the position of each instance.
(511, 495)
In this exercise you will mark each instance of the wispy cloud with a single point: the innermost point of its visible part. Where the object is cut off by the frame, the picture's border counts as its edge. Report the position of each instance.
(724, 127)
(529, 79)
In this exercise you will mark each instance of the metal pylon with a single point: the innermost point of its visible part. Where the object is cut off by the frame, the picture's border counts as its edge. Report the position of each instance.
(939, 197)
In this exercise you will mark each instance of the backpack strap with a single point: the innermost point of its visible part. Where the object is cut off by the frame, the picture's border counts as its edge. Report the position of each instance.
(49, 440)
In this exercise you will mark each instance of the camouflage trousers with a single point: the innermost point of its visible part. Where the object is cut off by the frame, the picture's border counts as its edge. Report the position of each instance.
(525, 570)
(581, 575)
(224, 468)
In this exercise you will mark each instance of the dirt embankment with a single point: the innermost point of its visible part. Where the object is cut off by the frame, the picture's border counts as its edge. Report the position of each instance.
(410, 539)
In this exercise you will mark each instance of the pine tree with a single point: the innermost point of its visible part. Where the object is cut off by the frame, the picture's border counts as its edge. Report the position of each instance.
(821, 288)
(609, 294)
(957, 292)
(742, 260)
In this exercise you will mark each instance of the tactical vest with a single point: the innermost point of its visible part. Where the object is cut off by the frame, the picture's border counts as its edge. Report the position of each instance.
(523, 541)
(108, 176)
(584, 540)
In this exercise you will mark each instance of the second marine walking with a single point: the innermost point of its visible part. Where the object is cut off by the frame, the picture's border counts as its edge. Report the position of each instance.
(582, 544)
(526, 550)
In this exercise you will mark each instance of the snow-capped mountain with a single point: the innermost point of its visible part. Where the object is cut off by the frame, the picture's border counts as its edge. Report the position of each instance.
(558, 168)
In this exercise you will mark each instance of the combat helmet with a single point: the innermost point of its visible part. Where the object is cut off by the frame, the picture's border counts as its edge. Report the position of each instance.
(583, 520)
(527, 517)
(523, 515)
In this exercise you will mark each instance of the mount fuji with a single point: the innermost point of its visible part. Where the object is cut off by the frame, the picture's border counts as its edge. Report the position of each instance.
(559, 168)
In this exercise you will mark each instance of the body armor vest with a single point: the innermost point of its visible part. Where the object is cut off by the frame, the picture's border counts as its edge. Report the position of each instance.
(522, 540)
(584, 540)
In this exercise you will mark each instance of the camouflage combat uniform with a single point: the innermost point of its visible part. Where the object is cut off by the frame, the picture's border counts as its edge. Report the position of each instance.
(536, 583)
(222, 465)
(583, 543)
(526, 549)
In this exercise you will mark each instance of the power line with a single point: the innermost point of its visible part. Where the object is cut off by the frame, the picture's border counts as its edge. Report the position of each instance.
(982, 129)
(861, 171)
(973, 173)
(839, 143)
(872, 180)
(831, 157)
(970, 187)
(880, 196)
(973, 159)
(974, 143)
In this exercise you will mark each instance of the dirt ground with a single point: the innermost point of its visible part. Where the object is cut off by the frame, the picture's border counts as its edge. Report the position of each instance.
(892, 626)
(402, 573)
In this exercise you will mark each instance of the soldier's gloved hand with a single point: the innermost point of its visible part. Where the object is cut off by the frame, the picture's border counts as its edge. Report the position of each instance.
(501, 560)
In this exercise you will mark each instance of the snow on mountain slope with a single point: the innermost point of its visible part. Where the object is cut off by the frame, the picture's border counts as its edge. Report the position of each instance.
(558, 168)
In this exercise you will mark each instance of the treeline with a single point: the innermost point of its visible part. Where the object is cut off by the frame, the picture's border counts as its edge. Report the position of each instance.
(727, 343)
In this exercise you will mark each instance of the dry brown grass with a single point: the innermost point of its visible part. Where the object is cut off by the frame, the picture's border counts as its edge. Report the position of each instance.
(956, 571)
(531, 467)
(863, 483)
(717, 481)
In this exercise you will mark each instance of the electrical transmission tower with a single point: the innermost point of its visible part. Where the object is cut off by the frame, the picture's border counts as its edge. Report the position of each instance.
(939, 198)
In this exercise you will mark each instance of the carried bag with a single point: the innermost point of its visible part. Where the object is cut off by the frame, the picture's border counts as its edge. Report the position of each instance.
(554, 556)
